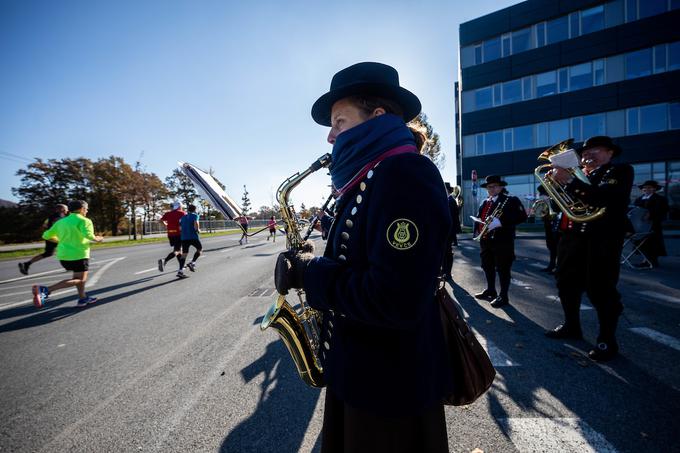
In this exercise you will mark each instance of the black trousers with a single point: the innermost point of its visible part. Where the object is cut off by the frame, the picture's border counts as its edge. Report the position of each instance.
(497, 257)
(551, 240)
(350, 430)
(590, 264)
(448, 258)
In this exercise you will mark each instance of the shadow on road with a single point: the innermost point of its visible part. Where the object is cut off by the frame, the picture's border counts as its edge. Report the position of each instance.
(284, 409)
(54, 311)
(609, 399)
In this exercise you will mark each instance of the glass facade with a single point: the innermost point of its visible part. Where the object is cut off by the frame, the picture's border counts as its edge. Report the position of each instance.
(569, 26)
(616, 123)
(640, 63)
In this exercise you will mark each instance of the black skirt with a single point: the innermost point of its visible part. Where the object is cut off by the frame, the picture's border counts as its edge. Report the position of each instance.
(347, 429)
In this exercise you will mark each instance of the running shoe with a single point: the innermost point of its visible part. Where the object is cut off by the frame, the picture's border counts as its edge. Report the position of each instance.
(192, 267)
(23, 268)
(181, 274)
(160, 265)
(85, 301)
(40, 295)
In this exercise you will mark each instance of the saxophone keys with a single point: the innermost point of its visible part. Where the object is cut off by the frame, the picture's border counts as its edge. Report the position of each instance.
(345, 235)
(354, 210)
(362, 186)
(349, 223)
(326, 345)
(359, 199)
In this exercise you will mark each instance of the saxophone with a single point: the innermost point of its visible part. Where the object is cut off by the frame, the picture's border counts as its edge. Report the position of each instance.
(300, 329)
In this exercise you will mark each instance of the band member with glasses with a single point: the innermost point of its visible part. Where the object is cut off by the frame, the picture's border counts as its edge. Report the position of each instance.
(497, 244)
(589, 253)
(382, 344)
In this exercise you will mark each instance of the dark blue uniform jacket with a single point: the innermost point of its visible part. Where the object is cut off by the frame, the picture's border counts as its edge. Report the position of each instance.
(382, 343)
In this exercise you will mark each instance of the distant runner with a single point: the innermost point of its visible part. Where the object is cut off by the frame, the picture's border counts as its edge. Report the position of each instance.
(189, 232)
(171, 221)
(73, 235)
(60, 212)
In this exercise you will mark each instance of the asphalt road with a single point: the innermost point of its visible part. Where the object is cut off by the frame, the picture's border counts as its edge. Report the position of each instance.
(161, 364)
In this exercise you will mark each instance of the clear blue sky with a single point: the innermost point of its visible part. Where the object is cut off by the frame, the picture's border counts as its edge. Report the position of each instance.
(220, 84)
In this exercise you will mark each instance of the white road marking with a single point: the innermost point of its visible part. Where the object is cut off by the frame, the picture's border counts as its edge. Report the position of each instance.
(555, 434)
(497, 356)
(654, 295)
(605, 368)
(659, 337)
(26, 277)
(90, 282)
(146, 270)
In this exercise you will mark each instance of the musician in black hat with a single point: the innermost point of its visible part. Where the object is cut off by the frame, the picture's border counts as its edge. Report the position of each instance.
(589, 253)
(500, 213)
(657, 209)
(455, 230)
(382, 345)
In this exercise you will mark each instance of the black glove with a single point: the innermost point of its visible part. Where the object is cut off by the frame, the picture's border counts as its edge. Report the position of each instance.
(290, 270)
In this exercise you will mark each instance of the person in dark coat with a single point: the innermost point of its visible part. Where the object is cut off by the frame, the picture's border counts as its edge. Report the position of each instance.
(657, 207)
(589, 253)
(497, 243)
(550, 219)
(382, 345)
(455, 230)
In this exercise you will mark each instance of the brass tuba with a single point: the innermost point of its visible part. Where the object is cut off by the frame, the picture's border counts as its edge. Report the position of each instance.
(300, 329)
(572, 207)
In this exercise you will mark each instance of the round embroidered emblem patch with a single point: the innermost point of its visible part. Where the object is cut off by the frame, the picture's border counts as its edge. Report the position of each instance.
(402, 234)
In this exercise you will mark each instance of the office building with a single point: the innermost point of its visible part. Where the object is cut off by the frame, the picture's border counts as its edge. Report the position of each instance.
(542, 71)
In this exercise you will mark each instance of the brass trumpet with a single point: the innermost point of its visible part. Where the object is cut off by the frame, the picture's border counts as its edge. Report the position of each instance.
(577, 210)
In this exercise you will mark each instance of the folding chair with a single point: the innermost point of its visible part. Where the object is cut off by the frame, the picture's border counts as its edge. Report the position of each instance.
(634, 243)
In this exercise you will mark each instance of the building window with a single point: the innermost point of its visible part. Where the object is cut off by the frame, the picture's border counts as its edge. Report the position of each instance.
(478, 54)
(659, 58)
(559, 130)
(558, 30)
(594, 125)
(674, 56)
(521, 40)
(493, 142)
(505, 41)
(512, 91)
(563, 78)
(581, 76)
(674, 110)
(479, 138)
(542, 137)
(524, 137)
(639, 63)
(631, 10)
(649, 8)
(653, 118)
(598, 70)
(483, 98)
(546, 84)
(576, 129)
(507, 139)
(492, 49)
(527, 92)
(497, 94)
(592, 19)
(574, 28)
(540, 34)
(469, 145)
(632, 121)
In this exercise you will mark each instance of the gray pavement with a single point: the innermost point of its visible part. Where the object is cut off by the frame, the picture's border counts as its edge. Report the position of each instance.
(161, 364)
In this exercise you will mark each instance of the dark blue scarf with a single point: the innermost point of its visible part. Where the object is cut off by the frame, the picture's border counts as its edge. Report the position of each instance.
(358, 146)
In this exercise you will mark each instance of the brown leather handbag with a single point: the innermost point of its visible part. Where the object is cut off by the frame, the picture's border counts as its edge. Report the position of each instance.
(471, 367)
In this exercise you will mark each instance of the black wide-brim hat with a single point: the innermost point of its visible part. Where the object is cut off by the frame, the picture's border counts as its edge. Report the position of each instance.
(651, 183)
(368, 79)
(600, 140)
(493, 179)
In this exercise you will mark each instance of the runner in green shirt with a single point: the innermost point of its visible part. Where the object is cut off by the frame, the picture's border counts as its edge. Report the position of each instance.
(73, 235)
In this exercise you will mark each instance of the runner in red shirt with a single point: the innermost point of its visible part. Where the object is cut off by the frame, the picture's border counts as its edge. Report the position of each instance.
(171, 221)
